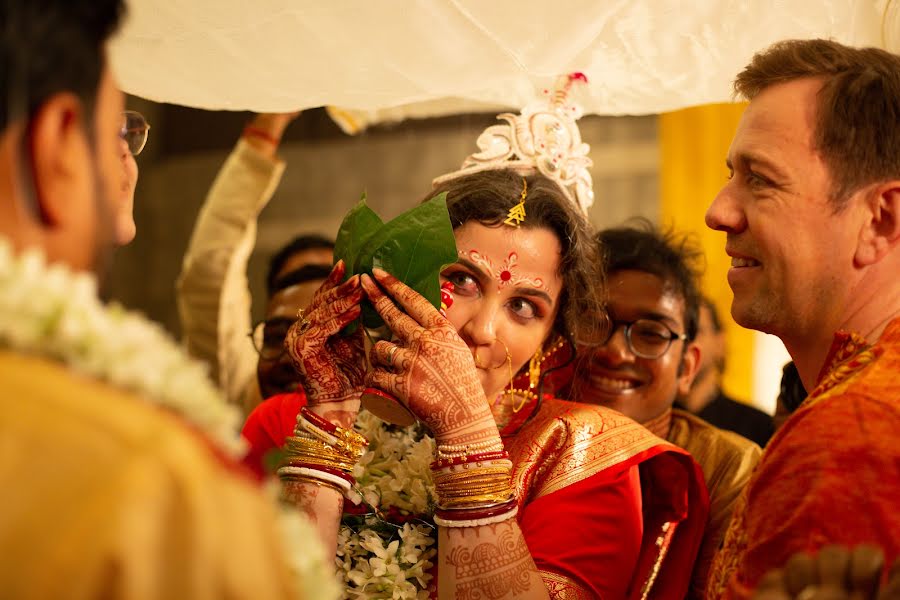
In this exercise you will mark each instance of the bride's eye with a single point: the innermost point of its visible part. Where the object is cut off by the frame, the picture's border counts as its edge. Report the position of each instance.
(523, 309)
(463, 283)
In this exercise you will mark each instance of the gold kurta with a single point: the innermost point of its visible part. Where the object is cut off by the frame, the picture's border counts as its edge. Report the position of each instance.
(106, 496)
(727, 460)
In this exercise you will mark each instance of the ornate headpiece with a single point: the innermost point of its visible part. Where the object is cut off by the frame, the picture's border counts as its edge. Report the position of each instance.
(544, 137)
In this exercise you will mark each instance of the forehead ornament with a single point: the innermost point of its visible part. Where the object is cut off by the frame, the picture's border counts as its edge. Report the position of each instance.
(517, 213)
(506, 274)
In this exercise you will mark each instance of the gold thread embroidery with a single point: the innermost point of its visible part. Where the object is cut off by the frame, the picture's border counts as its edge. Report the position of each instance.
(662, 542)
(560, 587)
(567, 443)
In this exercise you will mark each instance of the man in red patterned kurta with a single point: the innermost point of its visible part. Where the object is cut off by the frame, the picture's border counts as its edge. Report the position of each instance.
(812, 216)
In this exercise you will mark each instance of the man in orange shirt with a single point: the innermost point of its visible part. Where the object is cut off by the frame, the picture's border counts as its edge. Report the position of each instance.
(812, 217)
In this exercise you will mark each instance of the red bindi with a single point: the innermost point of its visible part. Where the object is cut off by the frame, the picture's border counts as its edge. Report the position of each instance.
(505, 276)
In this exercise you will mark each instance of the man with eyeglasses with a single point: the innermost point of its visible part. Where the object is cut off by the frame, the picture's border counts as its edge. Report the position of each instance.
(292, 291)
(648, 355)
(119, 457)
(132, 139)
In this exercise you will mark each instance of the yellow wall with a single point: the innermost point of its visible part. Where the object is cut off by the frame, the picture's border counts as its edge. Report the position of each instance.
(693, 146)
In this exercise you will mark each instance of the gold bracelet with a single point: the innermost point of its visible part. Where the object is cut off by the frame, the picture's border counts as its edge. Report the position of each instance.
(316, 447)
(335, 434)
(474, 501)
(303, 450)
(472, 488)
(299, 461)
(471, 493)
(472, 474)
(327, 441)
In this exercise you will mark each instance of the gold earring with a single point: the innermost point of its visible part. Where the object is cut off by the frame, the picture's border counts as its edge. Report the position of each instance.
(512, 391)
(534, 368)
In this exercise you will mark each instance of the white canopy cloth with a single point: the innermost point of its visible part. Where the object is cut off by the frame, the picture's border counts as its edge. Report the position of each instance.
(431, 57)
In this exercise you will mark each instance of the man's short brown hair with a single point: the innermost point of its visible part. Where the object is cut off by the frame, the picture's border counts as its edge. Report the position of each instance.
(857, 129)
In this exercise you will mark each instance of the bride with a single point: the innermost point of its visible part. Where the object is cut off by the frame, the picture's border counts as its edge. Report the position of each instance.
(536, 497)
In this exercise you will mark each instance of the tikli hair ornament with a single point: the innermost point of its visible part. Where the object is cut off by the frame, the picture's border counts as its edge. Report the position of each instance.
(517, 213)
(543, 138)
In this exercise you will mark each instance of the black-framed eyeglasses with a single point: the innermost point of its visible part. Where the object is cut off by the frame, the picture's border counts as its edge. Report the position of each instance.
(646, 338)
(268, 337)
(135, 131)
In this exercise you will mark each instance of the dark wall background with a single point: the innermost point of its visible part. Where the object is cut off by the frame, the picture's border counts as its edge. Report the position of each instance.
(326, 172)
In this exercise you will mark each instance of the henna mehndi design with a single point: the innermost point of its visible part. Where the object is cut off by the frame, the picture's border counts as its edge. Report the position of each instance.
(432, 371)
(492, 569)
(331, 367)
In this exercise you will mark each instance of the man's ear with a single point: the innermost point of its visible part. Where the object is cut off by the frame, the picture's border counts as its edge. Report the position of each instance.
(880, 232)
(690, 362)
(58, 151)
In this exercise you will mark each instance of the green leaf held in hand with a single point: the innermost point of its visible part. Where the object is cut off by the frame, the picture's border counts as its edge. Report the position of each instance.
(413, 247)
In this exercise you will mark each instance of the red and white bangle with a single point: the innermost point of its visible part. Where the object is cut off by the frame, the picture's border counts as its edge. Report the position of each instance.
(317, 421)
(319, 474)
(316, 467)
(345, 441)
(476, 522)
(306, 428)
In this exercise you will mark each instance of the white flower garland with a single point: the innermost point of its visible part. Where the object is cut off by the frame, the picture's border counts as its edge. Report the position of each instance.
(47, 310)
(376, 558)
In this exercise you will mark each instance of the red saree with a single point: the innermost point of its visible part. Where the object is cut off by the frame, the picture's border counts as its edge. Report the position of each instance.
(608, 510)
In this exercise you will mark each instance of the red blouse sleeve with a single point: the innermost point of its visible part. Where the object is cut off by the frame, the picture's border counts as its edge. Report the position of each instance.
(589, 532)
(270, 423)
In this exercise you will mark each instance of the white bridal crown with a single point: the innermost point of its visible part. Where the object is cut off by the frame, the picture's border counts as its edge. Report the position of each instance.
(544, 137)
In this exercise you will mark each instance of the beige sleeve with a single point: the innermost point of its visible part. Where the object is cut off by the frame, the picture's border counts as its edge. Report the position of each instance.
(212, 290)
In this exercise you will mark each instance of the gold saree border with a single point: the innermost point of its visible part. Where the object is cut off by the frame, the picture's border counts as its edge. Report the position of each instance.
(560, 587)
(567, 443)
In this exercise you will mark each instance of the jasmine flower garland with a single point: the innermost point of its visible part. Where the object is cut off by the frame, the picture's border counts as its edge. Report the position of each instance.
(387, 552)
(50, 311)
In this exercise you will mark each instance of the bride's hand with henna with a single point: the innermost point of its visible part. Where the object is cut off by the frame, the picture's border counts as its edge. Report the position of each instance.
(429, 367)
(331, 366)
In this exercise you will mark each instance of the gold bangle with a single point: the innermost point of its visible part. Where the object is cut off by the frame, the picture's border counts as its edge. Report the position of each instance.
(474, 501)
(317, 447)
(472, 492)
(464, 484)
(314, 452)
(299, 461)
(468, 481)
(320, 447)
(339, 436)
(485, 473)
(468, 490)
